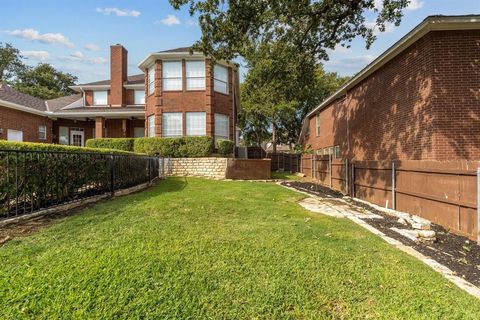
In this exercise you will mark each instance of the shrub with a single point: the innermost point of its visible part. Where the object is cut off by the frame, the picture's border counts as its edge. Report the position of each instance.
(185, 147)
(125, 144)
(9, 145)
(225, 147)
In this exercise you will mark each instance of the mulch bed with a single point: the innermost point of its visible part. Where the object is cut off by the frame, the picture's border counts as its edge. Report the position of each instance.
(459, 254)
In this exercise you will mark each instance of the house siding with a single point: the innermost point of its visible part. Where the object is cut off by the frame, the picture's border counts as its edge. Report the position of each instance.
(28, 123)
(421, 105)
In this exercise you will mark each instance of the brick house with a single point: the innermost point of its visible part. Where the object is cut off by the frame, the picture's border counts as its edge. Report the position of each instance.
(419, 100)
(179, 94)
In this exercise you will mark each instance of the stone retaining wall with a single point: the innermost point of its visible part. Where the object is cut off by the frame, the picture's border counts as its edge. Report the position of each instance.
(198, 167)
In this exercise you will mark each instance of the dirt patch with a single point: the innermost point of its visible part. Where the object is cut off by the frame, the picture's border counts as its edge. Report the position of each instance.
(458, 253)
(27, 227)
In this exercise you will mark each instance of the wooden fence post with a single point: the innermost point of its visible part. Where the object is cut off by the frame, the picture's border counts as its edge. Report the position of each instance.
(478, 205)
(393, 185)
(330, 169)
(353, 179)
(346, 176)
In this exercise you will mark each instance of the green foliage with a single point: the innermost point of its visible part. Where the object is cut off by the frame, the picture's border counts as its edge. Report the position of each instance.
(10, 63)
(45, 82)
(231, 28)
(225, 147)
(9, 145)
(125, 144)
(184, 147)
(195, 248)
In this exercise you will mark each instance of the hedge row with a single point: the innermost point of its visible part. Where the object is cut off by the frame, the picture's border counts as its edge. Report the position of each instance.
(124, 144)
(184, 147)
(225, 147)
(9, 145)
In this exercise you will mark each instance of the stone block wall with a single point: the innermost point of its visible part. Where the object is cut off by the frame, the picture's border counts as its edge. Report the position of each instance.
(197, 167)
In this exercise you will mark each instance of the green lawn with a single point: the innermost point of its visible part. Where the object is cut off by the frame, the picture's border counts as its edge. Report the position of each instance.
(285, 175)
(202, 249)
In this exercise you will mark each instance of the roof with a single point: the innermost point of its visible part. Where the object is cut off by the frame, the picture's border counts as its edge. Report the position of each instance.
(135, 79)
(181, 49)
(431, 23)
(13, 96)
(59, 103)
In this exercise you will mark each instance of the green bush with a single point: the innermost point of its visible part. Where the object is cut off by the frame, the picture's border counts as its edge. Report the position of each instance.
(184, 147)
(9, 145)
(125, 144)
(225, 147)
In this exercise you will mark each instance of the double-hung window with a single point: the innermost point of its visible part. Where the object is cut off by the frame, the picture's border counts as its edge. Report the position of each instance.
(172, 124)
(337, 152)
(220, 75)
(151, 79)
(221, 127)
(100, 98)
(317, 124)
(42, 132)
(172, 75)
(139, 97)
(195, 73)
(196, 123)
(151, 126)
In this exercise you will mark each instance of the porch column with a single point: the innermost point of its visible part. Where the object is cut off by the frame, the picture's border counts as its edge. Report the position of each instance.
(99, 127)
(124, 128)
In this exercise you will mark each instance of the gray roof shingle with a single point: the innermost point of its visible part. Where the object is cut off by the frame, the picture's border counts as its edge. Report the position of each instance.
(135, 79)
(13, 96)
(59, 103)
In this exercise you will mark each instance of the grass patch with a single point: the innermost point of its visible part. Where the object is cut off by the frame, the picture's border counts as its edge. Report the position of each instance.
(285, 175)
(202, 249)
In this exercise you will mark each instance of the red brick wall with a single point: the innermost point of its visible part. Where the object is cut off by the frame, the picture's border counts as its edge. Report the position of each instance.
(118, 75)
(189, 101)
(26, 122)
(87, 126)
(422, 105)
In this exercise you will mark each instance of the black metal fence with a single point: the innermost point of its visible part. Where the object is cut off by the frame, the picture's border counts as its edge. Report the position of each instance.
(36, 180)
(282, 161)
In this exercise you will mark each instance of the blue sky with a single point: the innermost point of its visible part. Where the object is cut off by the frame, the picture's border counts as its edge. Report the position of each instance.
(75, 36)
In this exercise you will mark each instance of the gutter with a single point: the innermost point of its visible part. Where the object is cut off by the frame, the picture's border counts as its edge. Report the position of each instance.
(21, 108)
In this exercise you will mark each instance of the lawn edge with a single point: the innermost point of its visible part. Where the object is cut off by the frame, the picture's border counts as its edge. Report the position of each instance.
(443, 270)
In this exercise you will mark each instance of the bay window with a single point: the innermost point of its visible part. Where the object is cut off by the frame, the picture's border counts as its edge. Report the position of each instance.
(151, 126)
(172, 124)
(151, 79)
(196, 123)
(172, 76)
(195, 73)
(221, 127)
(220, 75)
(100, 98)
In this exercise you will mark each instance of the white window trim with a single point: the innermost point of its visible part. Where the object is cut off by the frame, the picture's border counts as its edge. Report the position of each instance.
(42, 132)
(191, 77)
(217, 136)
(94, 100)
(151, 79)
(203, 129)
(135, 97)
(168, 135)
(151, 126)
(164, 78)
(220, 80)
(317, 125)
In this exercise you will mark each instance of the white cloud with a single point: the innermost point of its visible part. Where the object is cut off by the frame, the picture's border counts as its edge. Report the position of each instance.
(192, 23)
(34, 35)
(92, 47)
(78, 56)
(119, 12)
(389, 27)
(415, 5)
(339, 49)
(170, 20)
(36, 55)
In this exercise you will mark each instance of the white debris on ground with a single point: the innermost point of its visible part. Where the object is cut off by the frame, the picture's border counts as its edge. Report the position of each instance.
(416, 228)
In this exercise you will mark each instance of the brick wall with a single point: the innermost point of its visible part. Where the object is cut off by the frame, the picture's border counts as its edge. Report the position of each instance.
(118, 75)
(422, 105)
(26, 122)
(190, 101)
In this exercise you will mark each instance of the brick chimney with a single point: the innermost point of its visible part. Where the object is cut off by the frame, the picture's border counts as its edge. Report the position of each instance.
(118, 75)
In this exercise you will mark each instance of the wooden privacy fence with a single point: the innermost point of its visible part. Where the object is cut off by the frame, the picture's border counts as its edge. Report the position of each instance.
(284, 161)
(445, 193)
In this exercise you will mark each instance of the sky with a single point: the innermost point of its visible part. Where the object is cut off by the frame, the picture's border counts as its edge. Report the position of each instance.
(75, 36)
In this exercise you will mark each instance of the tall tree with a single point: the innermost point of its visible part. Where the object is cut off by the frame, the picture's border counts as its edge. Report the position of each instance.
(10, 63)
(45, 82)
(230, 27)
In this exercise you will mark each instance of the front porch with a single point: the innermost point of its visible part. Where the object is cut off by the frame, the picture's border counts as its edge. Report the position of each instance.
(76, 131)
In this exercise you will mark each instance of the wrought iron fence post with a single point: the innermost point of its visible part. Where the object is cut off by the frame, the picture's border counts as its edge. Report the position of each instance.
(112, 177)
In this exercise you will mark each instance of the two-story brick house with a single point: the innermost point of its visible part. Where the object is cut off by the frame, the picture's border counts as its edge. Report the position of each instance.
(186, 96)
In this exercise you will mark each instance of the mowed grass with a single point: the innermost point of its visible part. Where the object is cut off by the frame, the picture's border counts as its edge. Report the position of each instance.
(199, 249)
(285, 175)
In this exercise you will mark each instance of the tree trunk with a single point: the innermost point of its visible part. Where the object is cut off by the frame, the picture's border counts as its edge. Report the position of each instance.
(274, 138)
